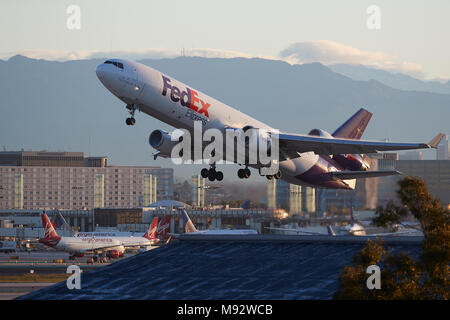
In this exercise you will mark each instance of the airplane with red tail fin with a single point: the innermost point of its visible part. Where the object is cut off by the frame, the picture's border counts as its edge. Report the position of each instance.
(113, 246)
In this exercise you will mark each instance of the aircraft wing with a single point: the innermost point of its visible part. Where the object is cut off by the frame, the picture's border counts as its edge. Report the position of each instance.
(346, 175)
(292, 144)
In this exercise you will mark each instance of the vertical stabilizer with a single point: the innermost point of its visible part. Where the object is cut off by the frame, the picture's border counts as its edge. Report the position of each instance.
(163, 229)
(50, 238)
(151, 232)
(188, 225)
(354, 127)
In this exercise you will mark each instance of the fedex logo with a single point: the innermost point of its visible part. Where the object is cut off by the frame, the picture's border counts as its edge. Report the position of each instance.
(188, 98)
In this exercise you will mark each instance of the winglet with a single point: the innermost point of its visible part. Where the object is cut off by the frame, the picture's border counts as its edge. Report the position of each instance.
(435, 141)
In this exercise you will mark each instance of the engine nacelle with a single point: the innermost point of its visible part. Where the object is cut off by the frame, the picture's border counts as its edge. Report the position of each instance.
(320, 133)
(163, 142)
(354, 162)
(115, 253)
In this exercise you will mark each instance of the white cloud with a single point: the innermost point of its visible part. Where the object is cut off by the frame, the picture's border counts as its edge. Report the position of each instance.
(329, 52)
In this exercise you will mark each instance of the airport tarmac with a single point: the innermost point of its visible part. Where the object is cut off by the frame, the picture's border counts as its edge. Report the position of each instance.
(41, 264)
(12, 290)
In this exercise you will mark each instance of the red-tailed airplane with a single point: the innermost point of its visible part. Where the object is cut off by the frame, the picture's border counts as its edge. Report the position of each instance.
(78, 246)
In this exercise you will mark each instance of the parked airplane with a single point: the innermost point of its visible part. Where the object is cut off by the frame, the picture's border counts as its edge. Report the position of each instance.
(78, 246)
(161, 231)
(190, 229)
(317, 159)
(354, 228)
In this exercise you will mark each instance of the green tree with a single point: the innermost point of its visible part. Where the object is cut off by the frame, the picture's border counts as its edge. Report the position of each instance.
(402, 276)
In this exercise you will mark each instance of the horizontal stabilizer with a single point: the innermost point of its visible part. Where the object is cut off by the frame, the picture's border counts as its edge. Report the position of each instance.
(346, 175)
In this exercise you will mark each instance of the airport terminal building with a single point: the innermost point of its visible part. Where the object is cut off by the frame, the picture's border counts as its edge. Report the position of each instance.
(68, 180)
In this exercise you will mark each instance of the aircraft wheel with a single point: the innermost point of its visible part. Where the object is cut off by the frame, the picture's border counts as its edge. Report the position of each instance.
(269, 177)
(204, 173)
(241, 174)
(130, 121)
(212, 174)
(247, 173)
(219, 175)
(278, 174)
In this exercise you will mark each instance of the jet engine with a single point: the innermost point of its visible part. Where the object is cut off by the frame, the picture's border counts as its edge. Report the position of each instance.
(354, 162)
(115, 253)
(163, 142)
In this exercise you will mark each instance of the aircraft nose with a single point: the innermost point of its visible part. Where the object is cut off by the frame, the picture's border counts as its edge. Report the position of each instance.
(100, 71)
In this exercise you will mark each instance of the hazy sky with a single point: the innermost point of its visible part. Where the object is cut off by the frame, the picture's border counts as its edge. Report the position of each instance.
(413, 35)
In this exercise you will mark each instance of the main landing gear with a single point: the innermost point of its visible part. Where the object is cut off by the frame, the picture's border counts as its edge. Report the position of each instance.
(244, 173)
(276, 175)
(131, 109)
(212, 174)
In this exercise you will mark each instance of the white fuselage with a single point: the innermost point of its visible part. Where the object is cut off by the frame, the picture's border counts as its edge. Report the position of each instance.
(83, 244)
(222, 232)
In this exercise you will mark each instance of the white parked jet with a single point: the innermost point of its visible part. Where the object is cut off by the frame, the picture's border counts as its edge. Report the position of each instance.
(190, 229)
(113, 246)
(317, 159)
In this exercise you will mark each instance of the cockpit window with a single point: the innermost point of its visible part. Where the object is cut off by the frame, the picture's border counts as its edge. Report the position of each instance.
(117, 64)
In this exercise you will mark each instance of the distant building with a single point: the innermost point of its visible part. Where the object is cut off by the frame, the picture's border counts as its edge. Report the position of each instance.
(49, 159)
(272, 194)
(198, 191)
(329, 199)
(411, 155)
(442, 152)
(385, 161)
(435, 173)
(293, 198)
(72, 186)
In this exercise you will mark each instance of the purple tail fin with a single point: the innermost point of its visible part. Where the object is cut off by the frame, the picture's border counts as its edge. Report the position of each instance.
(354, 127)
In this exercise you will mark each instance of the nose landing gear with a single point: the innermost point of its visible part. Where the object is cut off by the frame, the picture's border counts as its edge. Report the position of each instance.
(130, 121)
(131, 109)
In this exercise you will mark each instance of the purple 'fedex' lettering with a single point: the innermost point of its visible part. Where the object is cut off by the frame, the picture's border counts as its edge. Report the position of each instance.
(188, 98)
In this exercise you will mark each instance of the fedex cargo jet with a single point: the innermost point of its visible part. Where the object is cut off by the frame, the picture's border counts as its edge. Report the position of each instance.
(317, 159)
(78, 246)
